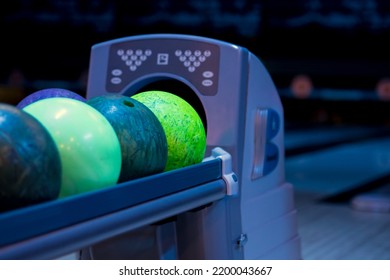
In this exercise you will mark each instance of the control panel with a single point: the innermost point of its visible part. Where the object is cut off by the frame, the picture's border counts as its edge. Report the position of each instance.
(198, 62)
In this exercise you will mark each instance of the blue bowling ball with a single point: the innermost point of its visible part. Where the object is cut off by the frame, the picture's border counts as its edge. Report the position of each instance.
(30, 166)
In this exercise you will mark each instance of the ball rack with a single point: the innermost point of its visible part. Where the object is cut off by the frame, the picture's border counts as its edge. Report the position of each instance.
(52, 229)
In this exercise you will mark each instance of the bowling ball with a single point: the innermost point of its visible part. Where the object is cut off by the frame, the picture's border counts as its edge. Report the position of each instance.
(30, 166)
(48, 93)
(183, 127)
(88, 146)
(143, 142)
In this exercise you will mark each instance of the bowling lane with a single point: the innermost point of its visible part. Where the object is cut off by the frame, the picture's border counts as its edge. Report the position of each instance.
(326, 184)
(331, 231)
(341, 168)
(306, 139)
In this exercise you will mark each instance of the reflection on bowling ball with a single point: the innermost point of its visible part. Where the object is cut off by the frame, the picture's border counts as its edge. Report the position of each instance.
(48, 93)
(143, 142)
(88, 145)
(30, 166)
(183, 127)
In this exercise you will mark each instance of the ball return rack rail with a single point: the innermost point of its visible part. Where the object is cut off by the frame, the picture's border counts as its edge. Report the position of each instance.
(56, 228)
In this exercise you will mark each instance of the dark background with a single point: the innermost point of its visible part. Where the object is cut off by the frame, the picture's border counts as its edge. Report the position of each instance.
(341, 47)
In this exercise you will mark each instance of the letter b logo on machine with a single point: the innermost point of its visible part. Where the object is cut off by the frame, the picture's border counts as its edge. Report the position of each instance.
(266, 153)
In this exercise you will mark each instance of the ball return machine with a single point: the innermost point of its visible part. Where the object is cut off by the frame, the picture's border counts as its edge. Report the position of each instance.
(236, 204)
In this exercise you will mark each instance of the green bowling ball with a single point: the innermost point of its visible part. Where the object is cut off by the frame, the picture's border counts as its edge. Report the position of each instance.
(186, 135)
(88, 145)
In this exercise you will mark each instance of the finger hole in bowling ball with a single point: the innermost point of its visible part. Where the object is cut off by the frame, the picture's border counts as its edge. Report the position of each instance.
(128, 103)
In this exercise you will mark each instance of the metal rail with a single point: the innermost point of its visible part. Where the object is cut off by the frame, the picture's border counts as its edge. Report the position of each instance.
(53, 229)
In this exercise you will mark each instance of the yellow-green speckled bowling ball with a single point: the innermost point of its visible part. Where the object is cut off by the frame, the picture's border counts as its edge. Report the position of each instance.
(186, 135)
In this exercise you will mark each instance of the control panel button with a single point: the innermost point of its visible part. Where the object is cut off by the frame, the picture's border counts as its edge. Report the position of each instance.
(116, 80)
(208, 74)
(207, 83)
(162, 59)
(116, 72)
